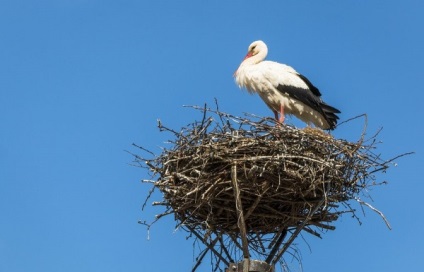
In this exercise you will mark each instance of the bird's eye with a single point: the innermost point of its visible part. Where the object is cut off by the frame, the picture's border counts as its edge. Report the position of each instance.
(253, 48)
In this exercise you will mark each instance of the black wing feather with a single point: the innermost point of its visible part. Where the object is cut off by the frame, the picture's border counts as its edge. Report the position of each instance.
(312, 99)
(311, 86)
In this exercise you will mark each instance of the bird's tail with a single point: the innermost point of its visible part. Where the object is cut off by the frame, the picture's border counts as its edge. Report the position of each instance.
(330, 115)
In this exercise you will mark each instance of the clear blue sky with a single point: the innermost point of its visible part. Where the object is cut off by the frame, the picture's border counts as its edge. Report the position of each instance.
(81, 80)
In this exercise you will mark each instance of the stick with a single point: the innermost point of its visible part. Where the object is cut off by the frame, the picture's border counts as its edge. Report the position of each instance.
(375, 210)
(239, 207)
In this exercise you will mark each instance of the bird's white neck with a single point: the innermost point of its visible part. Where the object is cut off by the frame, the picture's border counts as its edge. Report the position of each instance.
(250, 60)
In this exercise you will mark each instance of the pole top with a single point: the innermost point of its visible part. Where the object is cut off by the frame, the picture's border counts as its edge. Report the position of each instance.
(254, 266)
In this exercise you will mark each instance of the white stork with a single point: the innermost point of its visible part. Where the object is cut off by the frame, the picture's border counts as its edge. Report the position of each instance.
(283, 89)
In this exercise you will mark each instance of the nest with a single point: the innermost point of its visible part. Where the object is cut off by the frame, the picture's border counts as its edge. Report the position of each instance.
(254, 181)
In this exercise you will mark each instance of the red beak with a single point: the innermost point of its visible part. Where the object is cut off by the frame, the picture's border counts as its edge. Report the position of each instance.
(248, 55)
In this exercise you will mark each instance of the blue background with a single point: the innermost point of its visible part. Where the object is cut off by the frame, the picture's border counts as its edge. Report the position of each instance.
(81, 80)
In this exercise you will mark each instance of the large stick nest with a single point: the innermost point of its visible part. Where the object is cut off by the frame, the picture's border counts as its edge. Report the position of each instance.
(286, 177)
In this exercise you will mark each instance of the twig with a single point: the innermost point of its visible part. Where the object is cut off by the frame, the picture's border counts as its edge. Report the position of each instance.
(375, 210)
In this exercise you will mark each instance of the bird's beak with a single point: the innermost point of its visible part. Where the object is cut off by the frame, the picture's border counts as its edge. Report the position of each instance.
(249, 54)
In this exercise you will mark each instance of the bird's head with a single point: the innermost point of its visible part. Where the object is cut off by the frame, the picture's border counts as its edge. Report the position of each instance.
(257, 48)
(256, 53)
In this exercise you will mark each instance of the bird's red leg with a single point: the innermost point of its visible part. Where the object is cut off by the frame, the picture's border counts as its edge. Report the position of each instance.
(281, 114)
(275, 114)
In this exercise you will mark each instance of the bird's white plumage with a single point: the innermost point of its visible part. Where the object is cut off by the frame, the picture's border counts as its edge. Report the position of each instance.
(264, 77)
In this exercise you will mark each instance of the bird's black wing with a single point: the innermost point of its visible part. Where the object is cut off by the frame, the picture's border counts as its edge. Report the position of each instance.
(311, 86)
(301, 94)
(316, 92)
(312, 100)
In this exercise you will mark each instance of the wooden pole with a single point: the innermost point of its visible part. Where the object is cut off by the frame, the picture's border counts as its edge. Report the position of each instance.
(253, 266)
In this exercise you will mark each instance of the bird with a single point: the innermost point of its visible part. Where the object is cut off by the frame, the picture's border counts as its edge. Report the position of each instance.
(283, 90)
